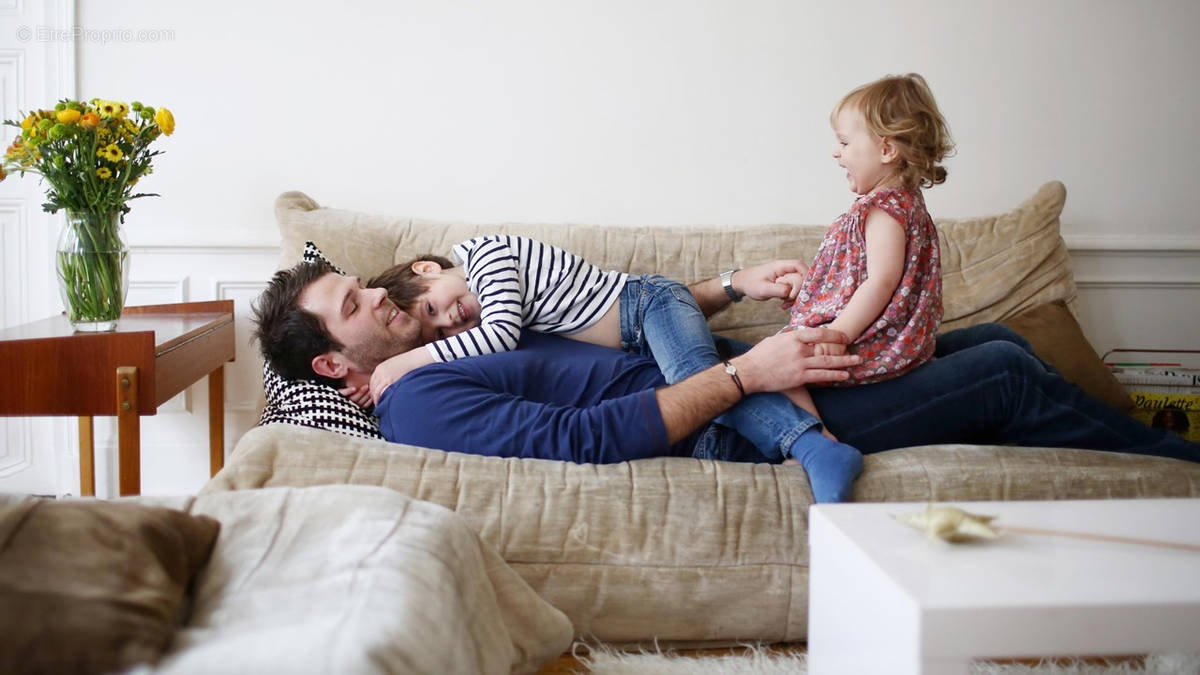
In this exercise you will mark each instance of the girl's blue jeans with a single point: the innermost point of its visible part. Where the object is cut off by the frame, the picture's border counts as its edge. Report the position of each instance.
(661, 319)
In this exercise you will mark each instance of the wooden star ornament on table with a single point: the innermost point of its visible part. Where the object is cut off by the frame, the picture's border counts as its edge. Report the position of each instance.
(950, 524)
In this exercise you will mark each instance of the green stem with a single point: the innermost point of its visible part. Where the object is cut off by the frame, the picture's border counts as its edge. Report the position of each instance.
(91, 259)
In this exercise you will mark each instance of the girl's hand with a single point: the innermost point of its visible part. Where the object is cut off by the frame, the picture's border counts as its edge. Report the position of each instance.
(828, 349)
(359, 396)
(793, 280)
(395, 368)
(761, 282)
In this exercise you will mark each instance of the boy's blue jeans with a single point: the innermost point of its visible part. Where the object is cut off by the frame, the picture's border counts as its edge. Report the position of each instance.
(661, 319)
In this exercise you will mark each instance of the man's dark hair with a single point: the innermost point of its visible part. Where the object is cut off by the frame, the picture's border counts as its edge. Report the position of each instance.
(288, 336)
(403, 285)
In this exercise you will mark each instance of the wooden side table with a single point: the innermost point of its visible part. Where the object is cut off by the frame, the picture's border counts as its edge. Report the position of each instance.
(156, 352)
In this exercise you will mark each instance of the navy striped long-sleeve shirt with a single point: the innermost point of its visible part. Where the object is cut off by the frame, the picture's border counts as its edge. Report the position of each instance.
(523, 283)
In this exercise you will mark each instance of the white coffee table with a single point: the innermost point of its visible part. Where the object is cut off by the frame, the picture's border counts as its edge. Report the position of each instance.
(885, 599)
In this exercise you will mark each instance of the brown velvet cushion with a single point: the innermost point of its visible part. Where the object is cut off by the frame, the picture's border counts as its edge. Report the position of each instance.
(93, 586)
(1058, 339)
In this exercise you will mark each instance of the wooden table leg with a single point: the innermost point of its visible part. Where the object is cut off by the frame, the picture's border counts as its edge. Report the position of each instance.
(129, 431)
(87, 458)
(216, 420)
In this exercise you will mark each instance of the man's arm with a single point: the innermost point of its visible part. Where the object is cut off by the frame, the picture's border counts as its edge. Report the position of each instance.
(756, 283)
(528, 402)
(778, 363)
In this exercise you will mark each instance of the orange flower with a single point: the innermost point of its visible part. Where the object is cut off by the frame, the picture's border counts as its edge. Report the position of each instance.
(90, 120)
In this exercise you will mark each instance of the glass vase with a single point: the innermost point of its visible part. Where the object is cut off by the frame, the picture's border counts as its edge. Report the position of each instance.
(92, 261)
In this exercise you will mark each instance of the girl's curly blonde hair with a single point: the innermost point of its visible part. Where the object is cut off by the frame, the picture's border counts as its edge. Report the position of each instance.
(901, 108)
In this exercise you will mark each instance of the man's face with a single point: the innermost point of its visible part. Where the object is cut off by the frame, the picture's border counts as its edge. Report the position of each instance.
(369, 326)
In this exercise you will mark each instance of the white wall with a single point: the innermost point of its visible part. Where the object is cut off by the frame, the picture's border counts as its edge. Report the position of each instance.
(650, 112)
(634, 112)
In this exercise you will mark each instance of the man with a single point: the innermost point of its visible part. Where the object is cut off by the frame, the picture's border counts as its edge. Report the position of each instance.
(560, 399)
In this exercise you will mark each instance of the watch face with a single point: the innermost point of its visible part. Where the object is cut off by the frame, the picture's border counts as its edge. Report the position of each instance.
(730, 369)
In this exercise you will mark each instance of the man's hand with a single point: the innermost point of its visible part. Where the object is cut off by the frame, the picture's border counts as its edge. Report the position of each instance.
(779, 363)
(788, 360)
(763, 282)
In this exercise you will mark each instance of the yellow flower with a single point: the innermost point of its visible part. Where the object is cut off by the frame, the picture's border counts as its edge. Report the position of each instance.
(110, 152)
(68, 116)
(165, 121)
(104, 173)
(28, 122)
(109, 108)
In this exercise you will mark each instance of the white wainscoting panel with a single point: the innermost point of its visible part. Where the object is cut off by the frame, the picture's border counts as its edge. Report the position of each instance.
(1138, 293)
(34, 73)
(243, 380)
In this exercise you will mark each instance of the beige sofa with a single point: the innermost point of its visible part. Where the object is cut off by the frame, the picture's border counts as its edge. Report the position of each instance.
(692, 551)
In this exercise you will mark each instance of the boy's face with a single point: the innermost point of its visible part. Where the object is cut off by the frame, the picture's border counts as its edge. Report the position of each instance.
(446, 308)
(861, 153)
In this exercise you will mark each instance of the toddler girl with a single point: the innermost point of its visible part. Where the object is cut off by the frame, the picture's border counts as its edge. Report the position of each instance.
(877, 276)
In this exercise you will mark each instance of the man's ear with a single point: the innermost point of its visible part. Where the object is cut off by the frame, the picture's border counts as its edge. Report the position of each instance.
(423, 268)
(331, 364)
(888, 150)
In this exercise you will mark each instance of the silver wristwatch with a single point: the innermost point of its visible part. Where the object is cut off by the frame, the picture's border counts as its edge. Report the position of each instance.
(727, 284)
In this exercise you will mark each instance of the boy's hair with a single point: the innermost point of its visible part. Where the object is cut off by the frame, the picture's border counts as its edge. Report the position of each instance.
(288, 336)
(901, 108)
(404, 285)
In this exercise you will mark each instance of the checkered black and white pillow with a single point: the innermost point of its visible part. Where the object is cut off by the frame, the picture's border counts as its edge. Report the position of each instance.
(316, 405)
(312, 404)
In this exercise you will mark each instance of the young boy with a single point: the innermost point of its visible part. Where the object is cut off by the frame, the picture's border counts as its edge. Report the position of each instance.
(505, 284)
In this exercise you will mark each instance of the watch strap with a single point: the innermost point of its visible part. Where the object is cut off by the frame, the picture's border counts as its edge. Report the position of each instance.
(727, 284)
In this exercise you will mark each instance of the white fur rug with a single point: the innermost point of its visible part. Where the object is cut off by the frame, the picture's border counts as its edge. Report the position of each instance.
(758, 661)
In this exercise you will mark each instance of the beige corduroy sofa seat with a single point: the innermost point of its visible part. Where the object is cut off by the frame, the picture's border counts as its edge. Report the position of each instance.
(684, 550)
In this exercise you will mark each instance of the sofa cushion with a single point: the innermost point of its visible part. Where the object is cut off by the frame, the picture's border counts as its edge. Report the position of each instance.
(90, 586)
(998, 266)
(1058, 340)
(357, 579)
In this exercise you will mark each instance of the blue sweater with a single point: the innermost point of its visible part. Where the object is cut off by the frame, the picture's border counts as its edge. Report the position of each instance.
(551, 398)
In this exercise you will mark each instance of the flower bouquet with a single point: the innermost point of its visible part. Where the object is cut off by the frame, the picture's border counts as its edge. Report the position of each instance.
(90, 155)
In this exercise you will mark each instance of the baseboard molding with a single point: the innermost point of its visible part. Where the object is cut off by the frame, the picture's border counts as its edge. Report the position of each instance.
(1125, 244)
(1141, 284)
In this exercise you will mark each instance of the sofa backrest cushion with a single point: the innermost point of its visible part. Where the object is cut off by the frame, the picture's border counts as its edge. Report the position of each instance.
(993, 267)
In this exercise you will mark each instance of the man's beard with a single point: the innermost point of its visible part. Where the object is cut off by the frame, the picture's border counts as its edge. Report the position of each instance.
(377, 350)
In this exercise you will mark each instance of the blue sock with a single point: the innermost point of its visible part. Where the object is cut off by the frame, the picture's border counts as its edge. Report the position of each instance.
(831, 466)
